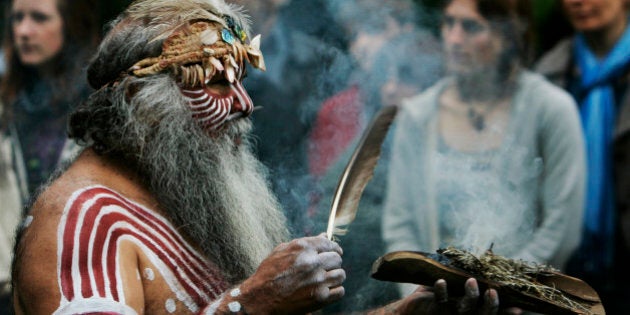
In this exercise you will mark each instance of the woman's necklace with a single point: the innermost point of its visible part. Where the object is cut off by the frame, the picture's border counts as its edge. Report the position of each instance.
(480, 98)
(476, 112)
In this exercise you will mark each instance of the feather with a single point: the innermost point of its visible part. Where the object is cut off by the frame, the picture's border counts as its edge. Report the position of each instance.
(358, 172)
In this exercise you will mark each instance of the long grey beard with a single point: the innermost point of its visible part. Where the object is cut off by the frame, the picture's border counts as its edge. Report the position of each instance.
(213, 189)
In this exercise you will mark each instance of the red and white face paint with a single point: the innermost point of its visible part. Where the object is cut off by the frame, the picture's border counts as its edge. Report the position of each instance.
(212, 109)
(95, 222)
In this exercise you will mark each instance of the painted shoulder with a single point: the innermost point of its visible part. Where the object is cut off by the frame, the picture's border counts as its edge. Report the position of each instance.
(85, 255)
(96, 220)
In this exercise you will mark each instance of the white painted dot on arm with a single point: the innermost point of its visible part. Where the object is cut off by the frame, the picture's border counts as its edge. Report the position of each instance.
(234, 306)
(149, 274)
(171, 307)
(236, 292)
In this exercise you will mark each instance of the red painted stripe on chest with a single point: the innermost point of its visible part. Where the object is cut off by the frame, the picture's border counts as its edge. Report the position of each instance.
(96, 219)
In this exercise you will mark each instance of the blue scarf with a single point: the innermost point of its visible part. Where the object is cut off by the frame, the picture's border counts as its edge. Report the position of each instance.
(598, 111)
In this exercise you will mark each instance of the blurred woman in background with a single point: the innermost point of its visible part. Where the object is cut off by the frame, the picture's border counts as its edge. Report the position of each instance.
(46, 45)
(491, 156)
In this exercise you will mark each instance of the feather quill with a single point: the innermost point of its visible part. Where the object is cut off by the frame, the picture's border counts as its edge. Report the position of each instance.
(358, 172)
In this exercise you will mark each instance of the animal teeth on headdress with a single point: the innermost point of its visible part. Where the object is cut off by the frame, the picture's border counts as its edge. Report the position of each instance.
(230, 74)
(216, 63)
(202, 42)
(232, 61)
(209, 72)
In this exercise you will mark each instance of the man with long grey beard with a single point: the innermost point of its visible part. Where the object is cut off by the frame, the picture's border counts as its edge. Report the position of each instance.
(166, 210)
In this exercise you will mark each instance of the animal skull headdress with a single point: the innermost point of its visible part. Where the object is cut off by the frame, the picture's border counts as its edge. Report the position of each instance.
(204, 47)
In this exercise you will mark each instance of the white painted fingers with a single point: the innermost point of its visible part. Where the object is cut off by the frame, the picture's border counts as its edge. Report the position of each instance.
(329, 287)
(298, 277)
(329, 260)
(323, 244)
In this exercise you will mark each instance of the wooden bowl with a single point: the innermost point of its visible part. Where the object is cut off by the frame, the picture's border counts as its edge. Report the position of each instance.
(419, 268)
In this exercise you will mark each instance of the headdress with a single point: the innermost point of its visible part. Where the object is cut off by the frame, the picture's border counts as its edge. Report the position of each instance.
(197, 42)
(208, 42)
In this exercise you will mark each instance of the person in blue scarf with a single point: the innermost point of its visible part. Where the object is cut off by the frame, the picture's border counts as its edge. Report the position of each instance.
(594, 66)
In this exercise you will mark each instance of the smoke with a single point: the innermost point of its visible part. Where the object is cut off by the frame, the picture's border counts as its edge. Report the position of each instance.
(484, 198)
(318, 50)
(315, 51)
(485, 211)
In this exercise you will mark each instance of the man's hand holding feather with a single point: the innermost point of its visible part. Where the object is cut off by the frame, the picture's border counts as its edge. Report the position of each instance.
(298, 277)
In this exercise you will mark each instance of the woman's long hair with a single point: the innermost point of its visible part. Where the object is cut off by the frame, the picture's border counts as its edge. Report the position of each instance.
(81, 34)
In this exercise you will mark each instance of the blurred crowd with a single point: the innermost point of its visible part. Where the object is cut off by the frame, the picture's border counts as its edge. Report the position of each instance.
(513, 131)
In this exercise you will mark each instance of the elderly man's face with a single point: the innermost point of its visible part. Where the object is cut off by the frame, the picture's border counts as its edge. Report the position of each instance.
(468, 41)
(211, 72)
(595, 15)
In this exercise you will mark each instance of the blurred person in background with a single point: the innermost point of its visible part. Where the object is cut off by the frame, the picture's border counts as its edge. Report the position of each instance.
(391, 59)
(385, 46)
(10, 208)
(46, 46)
(306, 60)
(10, 214)
(401, 68)
(491, 156)
(594, 66)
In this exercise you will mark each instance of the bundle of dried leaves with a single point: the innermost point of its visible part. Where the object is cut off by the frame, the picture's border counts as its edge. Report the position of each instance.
(515, 274)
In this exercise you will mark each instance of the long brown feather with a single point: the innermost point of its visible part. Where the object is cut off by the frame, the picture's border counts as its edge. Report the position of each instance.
(358, 172)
